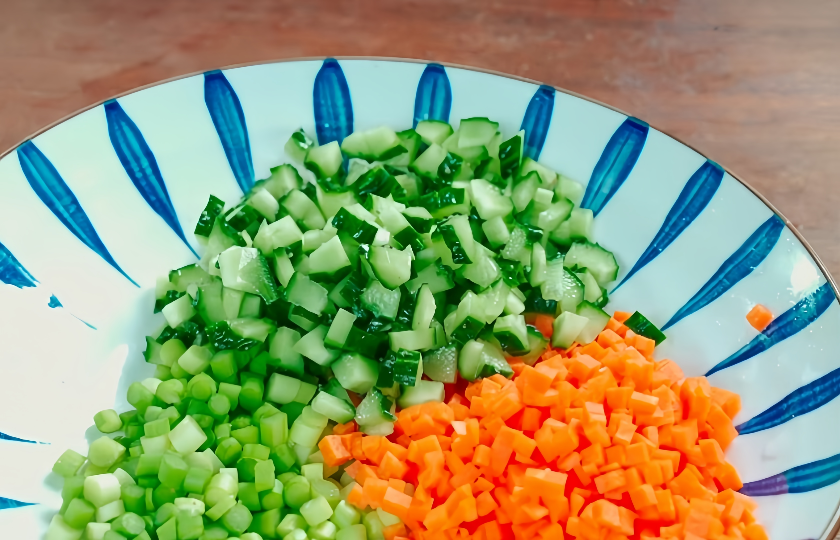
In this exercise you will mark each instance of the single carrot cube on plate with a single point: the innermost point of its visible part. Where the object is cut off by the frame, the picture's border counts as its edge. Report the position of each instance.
(759, 317)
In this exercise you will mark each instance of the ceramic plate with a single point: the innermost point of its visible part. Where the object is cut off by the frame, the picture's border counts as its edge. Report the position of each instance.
(95, 208)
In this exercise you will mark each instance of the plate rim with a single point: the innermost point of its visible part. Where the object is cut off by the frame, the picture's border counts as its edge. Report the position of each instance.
(834, 524)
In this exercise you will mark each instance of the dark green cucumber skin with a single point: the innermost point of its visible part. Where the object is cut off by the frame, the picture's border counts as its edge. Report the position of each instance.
(639, 324)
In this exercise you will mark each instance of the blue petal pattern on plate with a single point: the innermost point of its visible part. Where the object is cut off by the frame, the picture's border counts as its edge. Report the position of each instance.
(615, 164)
(800, 479)
(537, 119)
(693, 199)
(53, 192)
(801, 401)
(738, 266)
(785, 325)
(12, 272)
(331, 101)
(5, 437)
(229, 119)
(54, 302)
(5, 503)
(140, 165)
(434, 95)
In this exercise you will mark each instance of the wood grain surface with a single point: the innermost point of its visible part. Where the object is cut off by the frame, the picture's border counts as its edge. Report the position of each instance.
(754, 85)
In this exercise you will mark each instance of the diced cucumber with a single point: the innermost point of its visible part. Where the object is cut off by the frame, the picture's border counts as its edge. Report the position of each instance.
(548, 178)
(597, 321)
(307, 294)
(510, 154)
(329, 260)
(354, 227)
(251, 306)
(298, 145)
(312, 346)
(383, 302)
(562, 286)
(551, 217)
(567, 327)
(377, 144)
(333, 408)
(374, 409)
(419, 218)
(468, 319)
(208, 216)
(232, 302)
(283, 179)
(524, 191)
(639, 324)
(428, 163)
(488, 200)
(512, 334)
(536, 343)
(245, 269)
(476, 131)
(282, 233)
(340, 329)
(209, 302)
(493, 361)
(566, 187)
(256, 329)
(264, 203)
(325, 161)
(600, 262)
(282, 348)
(188, 275)
(483, 271)
(303, 210)
(179, 311)
(424, 309)
(356, 372)
(537, 275)
(391, 266)
(422, 392)
(413, 340)
(435, 276)
(330, 202)
(591, 290)
(441, 364)
(496, 231)
(469, 360)
(580, 224)
(433, 131)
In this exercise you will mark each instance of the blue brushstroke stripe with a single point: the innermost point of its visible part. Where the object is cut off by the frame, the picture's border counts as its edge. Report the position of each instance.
(5, 437)
(12, 272)
(693, 199)
(800, 479)
(433, 100)
(738, 266)
(6, 504)
(141, 166)
(54, 193)
(789, 323)
(615, 164)
(332, 105)
(537, 119)
(801, 401)
(229, 119)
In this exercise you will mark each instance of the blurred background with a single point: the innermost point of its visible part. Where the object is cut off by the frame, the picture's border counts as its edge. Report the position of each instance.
(754, 85)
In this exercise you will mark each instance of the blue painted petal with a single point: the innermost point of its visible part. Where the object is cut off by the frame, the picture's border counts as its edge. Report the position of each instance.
(140, 165)
(332, 104)
(614, 166)
(12, 272)
(693, 199)
(801, 401)
(54, 302)
(738, 266)
(5, 437)
(434, 95)
(5, 503)
(801, 479)
(537, 119)
(54, 193)
(784, 326)
(229, 119)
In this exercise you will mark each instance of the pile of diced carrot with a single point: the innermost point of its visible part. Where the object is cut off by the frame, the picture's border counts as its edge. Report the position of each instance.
(598, 442)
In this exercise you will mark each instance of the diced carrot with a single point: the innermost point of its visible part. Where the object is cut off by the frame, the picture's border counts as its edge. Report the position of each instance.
(396, 502)
(730, 402)
(356, 497)
(759, 317)
(610, 481)
(391, 467)
(344, 429)
(334, 451)
(621, 316)
(485, 503)
(545, 324)
(365, 472)
(643, 496)
(637, 454)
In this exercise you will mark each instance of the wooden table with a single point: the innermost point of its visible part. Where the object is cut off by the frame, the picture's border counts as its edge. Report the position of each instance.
(755, 85)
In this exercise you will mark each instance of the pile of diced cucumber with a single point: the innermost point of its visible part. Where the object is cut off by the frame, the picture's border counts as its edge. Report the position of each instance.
(360, 278)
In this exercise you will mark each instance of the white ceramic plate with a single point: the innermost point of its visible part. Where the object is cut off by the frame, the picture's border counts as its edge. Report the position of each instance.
(93, 209)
